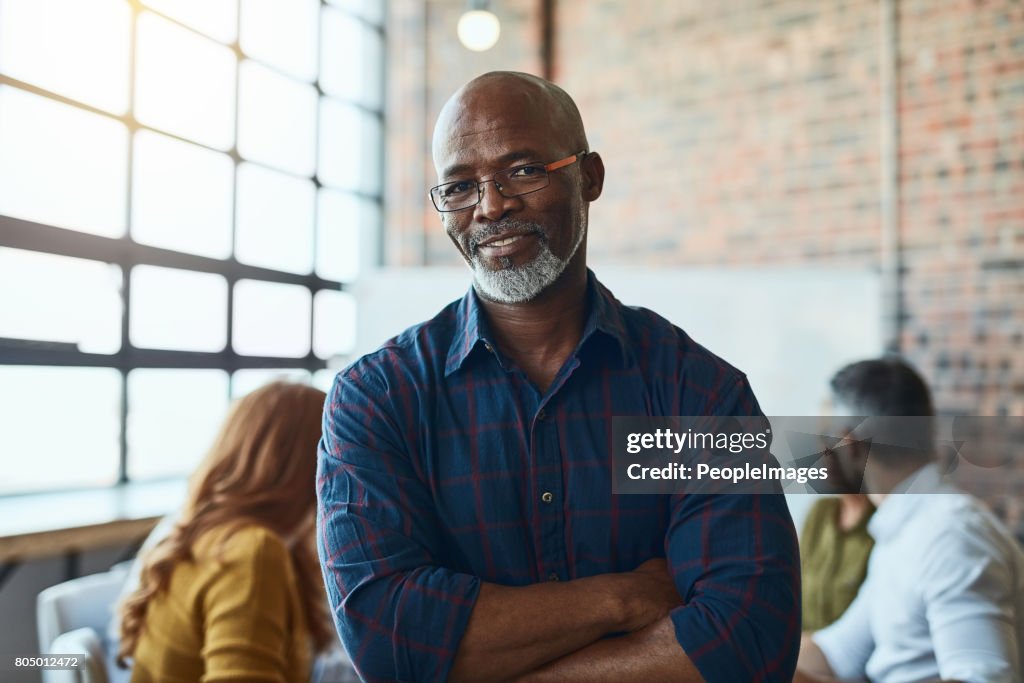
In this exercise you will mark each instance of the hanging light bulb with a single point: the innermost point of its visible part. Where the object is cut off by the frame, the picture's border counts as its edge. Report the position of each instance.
(479, 28)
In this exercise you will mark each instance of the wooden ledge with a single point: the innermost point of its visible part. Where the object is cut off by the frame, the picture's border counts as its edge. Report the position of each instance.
(53, 524)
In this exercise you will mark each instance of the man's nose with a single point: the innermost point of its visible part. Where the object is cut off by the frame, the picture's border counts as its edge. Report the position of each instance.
(493, 205)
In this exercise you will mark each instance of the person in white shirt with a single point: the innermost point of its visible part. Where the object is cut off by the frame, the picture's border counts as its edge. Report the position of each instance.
(944, 594)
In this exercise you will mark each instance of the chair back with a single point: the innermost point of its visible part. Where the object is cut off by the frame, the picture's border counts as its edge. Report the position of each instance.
(68, 608)
(86, 601)
(86, 643)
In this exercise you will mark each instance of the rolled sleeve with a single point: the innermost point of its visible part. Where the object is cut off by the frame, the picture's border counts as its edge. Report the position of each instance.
(968, 592)
(399, 613)
(847, 643)
(735, 561)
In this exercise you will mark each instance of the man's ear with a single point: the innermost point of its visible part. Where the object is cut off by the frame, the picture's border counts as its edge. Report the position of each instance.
(593, 176)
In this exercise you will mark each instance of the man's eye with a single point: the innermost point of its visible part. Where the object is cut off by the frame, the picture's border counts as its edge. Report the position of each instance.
(461, 187)
(527, 171)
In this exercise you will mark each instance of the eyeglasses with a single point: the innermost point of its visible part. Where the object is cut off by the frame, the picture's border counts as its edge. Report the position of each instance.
(514, 182)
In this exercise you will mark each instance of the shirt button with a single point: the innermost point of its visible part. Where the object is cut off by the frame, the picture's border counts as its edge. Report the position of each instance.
(547, 497)
(542, 415)
(488, 346)
(552, 577)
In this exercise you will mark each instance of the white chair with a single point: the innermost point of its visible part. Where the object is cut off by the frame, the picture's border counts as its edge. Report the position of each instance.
(92, 668)
(74, 617)
(67, 612)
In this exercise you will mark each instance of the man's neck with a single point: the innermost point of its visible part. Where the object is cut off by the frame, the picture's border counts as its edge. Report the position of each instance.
(852, 508)
(539, 335)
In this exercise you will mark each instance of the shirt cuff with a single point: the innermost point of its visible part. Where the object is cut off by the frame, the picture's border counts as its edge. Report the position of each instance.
(840, 659)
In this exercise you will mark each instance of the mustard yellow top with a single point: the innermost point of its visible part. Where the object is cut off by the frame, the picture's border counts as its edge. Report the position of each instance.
(237, 619)
(833, 562)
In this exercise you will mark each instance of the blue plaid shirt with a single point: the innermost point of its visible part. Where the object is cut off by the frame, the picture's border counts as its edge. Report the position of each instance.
(442, 466)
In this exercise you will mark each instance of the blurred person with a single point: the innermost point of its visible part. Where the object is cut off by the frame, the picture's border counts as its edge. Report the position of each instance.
(233, 592)
(467, 526)
(834, 545)
(834, 549)
(944, 594)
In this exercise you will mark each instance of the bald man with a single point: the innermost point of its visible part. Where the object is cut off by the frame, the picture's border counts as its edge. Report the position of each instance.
(467, 526)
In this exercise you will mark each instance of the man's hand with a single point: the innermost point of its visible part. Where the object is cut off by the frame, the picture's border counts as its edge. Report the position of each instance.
(812, 667)
(652, 594)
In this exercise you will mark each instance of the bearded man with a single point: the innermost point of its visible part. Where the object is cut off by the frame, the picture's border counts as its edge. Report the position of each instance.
(467, 526)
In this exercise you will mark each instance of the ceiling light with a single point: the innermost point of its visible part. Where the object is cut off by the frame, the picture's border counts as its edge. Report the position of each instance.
(479, 28)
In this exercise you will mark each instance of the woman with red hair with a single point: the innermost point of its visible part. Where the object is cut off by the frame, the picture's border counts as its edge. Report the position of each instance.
(235, 592)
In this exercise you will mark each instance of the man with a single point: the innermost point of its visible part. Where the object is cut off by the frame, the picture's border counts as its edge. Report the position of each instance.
(467, 527)
(944, 594)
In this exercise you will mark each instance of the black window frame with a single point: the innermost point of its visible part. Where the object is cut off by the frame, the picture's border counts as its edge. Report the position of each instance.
(125, 252)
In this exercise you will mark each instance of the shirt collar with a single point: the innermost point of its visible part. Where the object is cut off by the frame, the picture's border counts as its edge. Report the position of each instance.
(899, 506)
(472, 329)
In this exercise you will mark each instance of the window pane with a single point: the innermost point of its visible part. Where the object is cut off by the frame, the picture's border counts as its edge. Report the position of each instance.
(276, 120)
(350, 146)
(77, 48)
(244, 381)
(274, 228)
(370, 10)
(196, 401)
(166, 171)
(351, 59)
(72, 300)
(184, 83)
(271, 319)
(323, 379)
(178, 309)
(334, 323)
(47, 448)
(216, 18)
(49, 150)
(282, 34)
(345, 226)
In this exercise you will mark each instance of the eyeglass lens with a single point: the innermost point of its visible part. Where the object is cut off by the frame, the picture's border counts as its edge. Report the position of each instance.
(462, 194)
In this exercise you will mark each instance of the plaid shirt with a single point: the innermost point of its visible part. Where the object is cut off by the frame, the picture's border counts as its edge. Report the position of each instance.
(442, 466)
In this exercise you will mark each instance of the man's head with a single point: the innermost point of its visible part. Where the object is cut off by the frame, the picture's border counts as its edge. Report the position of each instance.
(517, 246)
(898, 415)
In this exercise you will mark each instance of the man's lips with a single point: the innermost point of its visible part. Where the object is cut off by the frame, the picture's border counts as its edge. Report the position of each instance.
(505, 244)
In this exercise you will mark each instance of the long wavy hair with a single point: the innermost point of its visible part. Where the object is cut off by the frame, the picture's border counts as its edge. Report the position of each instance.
(260, 471)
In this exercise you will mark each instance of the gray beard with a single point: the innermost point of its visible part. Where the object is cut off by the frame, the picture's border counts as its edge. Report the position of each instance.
(519, 284)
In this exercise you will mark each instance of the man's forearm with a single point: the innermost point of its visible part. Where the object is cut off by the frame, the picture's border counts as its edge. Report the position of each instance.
(513, 630)
(651, 654)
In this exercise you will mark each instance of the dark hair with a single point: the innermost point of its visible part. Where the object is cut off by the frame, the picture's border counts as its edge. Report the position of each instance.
(886, 386)
(890, 387)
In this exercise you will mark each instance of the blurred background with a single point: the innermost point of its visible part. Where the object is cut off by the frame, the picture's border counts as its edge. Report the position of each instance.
(197, 196)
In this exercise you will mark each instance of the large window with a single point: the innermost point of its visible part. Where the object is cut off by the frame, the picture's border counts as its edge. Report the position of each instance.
(186, 187)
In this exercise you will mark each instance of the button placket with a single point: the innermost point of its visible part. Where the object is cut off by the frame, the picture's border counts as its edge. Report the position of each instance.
(548, 480)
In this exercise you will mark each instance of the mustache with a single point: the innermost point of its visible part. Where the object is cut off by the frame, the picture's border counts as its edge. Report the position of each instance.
(485, 232)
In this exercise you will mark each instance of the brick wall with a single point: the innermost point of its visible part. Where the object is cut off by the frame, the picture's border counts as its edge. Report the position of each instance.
(427, 64)
(743, 132)
(962, 221)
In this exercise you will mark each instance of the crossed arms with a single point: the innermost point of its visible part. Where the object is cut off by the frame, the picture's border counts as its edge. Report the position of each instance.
(725, 607)
(553, 631)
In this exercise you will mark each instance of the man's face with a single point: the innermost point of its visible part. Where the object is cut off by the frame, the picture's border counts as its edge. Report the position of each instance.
(516, 246)
(847, 459)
